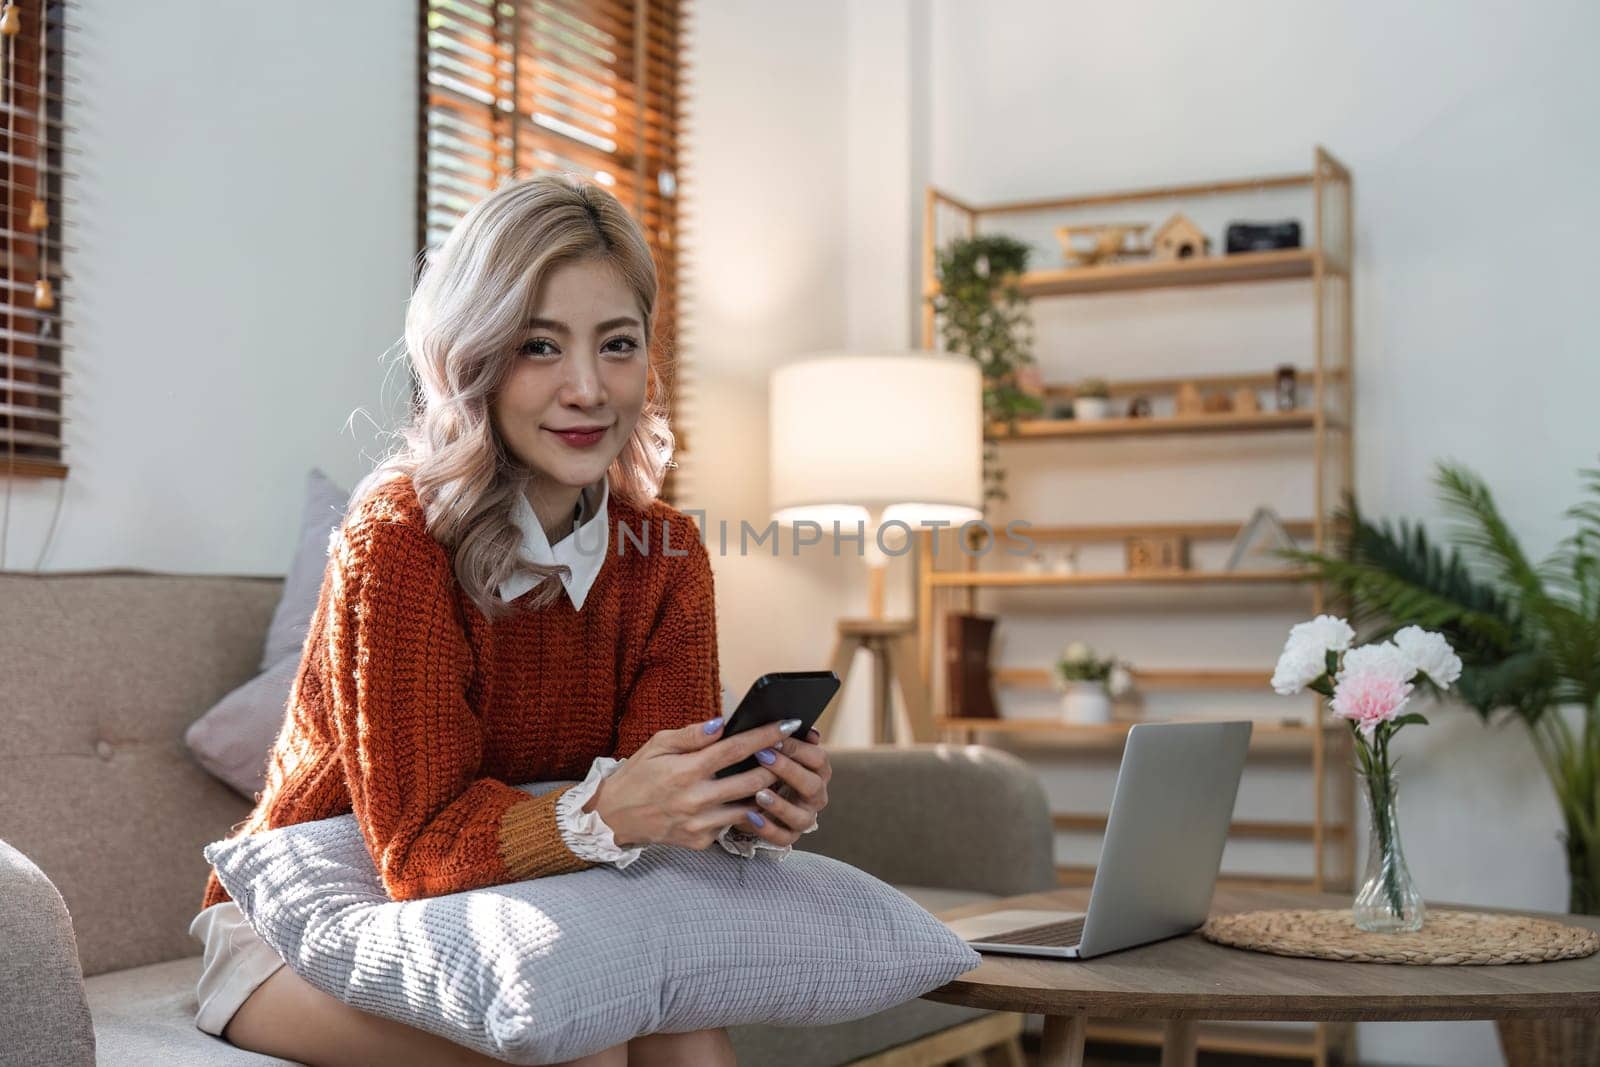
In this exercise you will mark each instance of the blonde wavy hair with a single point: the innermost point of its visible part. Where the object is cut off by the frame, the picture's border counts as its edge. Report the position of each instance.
(466, 317)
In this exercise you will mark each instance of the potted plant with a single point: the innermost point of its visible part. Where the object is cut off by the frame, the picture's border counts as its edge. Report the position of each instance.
(1529, 640)
(1369, 686)
(1091, 400)
(1088, 683)
(984, 315)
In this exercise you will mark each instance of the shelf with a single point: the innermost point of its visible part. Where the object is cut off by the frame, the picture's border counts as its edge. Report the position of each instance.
(1232, 1039)
(1095, 823)
(1284, 265)
(1149, 678)
(1079, 876)
(1027, 579)
(1195, 531)
(1305, 377)
(1158, 425)
(1266, 736)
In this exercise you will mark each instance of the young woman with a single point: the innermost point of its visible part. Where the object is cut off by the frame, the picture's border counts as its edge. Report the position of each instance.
(506, 602)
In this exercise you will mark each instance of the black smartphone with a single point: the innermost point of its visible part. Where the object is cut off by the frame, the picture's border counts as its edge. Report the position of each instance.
(777, 696)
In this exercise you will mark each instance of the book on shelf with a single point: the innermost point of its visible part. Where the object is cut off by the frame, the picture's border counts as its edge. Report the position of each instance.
(970, 681)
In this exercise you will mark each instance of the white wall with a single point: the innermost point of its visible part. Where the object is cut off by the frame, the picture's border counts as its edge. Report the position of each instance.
(244, 229)
(1470, 133)
(766, 251)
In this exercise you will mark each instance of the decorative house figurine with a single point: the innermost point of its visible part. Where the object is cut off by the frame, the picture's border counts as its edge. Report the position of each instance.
(1218, 403)
(1179, 238)
(1245, 400)
(1189, 400)
(1146, 554)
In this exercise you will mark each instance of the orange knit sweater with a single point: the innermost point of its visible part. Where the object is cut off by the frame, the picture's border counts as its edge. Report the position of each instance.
(416, 713)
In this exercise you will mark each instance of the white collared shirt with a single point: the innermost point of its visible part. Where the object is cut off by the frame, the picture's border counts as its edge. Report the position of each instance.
(583, 550)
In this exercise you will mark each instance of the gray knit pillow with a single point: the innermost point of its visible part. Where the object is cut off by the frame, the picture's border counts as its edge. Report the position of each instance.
(554, 968)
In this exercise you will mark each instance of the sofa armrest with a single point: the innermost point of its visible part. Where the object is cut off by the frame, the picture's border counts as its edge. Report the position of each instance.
(46, 1019)
(945, 816)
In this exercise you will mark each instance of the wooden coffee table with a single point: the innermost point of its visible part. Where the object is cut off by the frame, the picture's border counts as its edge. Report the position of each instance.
(1186, 979)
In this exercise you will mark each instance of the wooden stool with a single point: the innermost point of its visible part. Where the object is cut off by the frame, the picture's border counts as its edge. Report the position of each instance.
(893, 645)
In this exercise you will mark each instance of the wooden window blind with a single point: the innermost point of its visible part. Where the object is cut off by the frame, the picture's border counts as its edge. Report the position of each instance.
(520, 87)
(32, 90)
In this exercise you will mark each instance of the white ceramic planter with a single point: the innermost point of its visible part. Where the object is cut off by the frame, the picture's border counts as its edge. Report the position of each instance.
(1086, 703)
(1090, 408)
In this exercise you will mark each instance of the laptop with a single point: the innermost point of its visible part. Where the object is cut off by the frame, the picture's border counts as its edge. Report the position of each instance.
(1162, 850)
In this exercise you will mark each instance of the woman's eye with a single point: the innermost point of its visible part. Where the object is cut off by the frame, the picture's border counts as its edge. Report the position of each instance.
(626, 345)
(532, 348)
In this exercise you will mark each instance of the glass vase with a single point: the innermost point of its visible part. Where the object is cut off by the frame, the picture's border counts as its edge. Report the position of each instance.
(1388, 902)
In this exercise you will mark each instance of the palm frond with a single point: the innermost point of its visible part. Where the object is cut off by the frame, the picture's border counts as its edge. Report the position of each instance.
(1480, 526)
(1396, 576)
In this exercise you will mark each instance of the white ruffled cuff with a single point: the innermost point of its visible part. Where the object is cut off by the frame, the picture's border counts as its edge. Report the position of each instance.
(585, 832)
(743, 842)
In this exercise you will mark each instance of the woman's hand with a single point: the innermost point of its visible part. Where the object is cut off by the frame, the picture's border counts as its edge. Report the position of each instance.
(667, 793)
(792, 808)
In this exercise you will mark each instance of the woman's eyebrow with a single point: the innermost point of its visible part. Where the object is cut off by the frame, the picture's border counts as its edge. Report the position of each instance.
(561, 327)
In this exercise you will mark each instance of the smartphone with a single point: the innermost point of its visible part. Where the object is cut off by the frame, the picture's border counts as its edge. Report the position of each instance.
(777, 696)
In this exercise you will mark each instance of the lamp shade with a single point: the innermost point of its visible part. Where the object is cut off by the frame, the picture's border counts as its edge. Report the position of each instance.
(896, 433)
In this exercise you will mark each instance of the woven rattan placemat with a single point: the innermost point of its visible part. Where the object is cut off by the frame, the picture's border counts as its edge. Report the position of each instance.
(1466, 938)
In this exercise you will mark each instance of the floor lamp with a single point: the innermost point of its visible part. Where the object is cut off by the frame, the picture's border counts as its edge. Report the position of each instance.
(879, 444)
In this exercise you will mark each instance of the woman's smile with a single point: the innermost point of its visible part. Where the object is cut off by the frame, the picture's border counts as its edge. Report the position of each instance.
(580, 437)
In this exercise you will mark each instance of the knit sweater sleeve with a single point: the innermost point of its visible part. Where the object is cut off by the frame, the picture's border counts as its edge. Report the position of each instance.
(410, 743)
(678, 681)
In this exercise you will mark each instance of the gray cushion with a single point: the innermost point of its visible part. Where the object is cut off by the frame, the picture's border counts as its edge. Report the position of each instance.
(321, 514)
(555, 968)
(145, 1016)
(234, 738)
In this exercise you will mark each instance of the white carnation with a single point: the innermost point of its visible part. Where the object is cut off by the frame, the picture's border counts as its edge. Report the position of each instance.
(1301, 664)
(1429, 653)
(1325, 632)
(1383, 658)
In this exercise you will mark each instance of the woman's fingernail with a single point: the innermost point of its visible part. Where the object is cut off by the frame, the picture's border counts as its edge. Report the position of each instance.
(813, 735)
(767, 756)
(764, 798)
(714, 725)
(788, 726)
(756, 818)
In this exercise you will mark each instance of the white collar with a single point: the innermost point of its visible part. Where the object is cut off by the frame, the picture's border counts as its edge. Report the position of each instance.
(583, 550)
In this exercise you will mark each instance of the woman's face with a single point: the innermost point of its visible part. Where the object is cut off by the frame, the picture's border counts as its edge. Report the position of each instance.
(581, 364)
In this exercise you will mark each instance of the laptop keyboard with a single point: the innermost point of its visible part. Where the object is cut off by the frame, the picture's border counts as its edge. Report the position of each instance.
(1064, 934)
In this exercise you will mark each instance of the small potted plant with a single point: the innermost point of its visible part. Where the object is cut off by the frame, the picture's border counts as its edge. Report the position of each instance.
(1088, 684)
(1091, 399)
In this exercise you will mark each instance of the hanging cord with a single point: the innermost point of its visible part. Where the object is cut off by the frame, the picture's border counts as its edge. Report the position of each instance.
(39, 221)
(10, 26)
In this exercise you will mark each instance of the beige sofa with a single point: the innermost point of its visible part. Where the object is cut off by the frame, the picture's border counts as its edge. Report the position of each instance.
(103, 814)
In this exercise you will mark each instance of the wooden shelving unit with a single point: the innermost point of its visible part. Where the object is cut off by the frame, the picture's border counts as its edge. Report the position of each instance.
(1320, 426)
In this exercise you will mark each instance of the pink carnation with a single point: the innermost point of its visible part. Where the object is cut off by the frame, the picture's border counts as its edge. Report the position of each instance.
(1372, 687)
